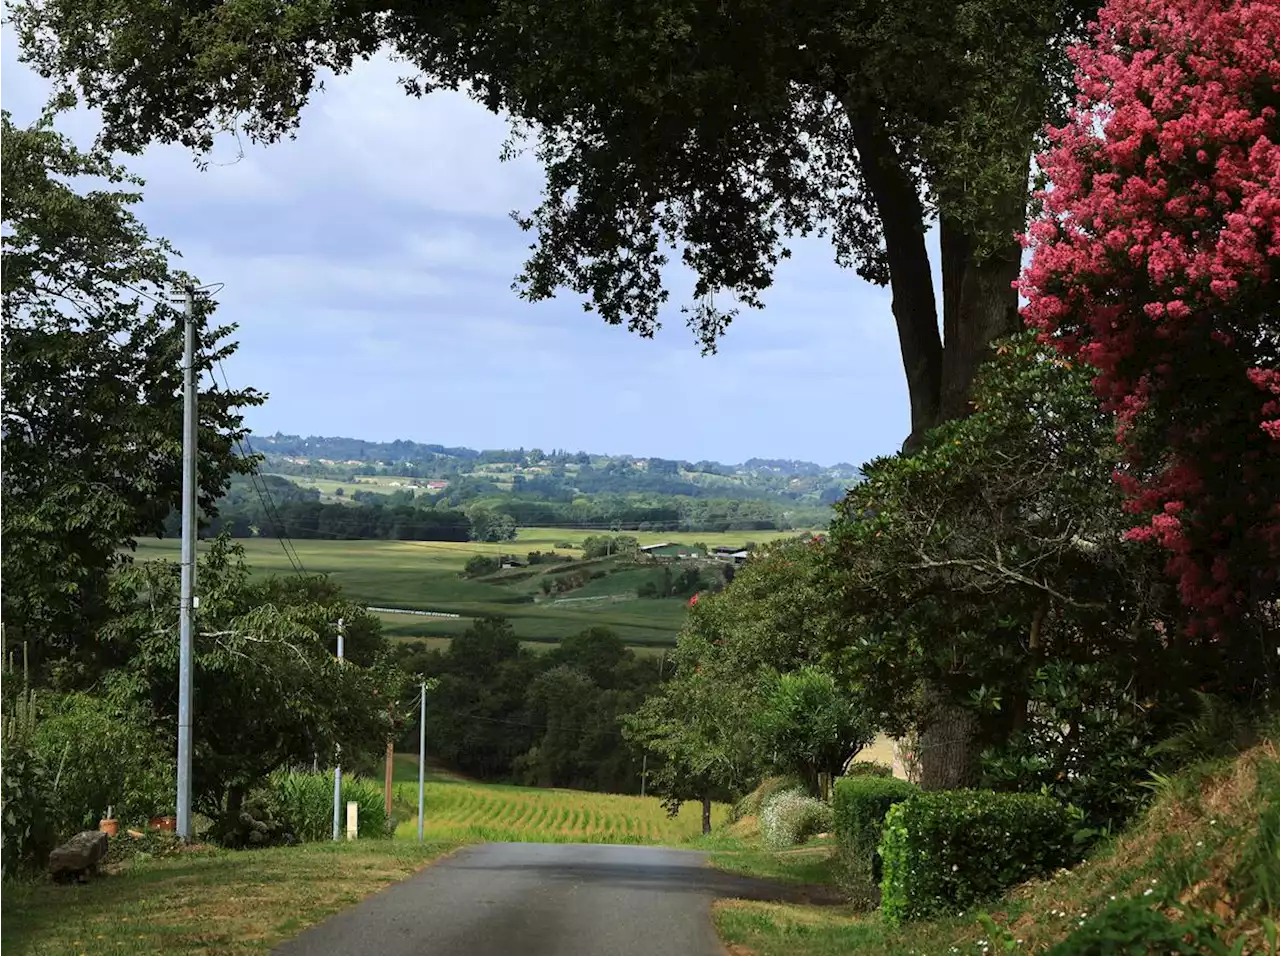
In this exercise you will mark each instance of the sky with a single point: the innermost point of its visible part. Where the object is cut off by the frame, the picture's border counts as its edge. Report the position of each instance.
(369, 262)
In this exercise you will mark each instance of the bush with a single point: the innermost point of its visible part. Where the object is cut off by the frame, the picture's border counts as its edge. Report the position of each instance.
(304, 803)
(481, 564)
(950, 849)
(868, 768)
(789, 818)
(751, 804)
(101, 754)
(1133, 927)
(860, 804)
(27, 834)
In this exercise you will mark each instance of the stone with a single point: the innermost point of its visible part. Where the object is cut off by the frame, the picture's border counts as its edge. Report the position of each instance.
(80, 855)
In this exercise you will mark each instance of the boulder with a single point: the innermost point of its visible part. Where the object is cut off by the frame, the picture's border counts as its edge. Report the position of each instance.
(78, 856)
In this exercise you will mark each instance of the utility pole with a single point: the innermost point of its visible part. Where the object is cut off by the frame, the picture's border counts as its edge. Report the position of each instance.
(337, 768)
(422, 756)
(187, 601)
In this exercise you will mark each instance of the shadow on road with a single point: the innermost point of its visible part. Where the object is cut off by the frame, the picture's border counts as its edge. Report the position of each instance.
(693, 877)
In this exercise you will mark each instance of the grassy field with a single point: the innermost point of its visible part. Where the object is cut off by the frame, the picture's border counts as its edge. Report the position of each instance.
(204, 901)
(423, 575)
(461, 811)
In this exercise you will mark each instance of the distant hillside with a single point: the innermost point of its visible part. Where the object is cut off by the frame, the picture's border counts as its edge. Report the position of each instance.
(557, 474)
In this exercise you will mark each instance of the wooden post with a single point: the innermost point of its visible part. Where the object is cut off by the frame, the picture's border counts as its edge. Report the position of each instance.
(391, 763)
(824, 787)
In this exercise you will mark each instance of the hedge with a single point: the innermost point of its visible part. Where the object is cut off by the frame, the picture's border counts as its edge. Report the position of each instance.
(790, 817)
(947, 850)
(865, 768)
(861, 803)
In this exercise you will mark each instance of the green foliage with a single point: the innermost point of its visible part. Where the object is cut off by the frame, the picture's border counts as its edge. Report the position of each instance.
(27, 830)
(149, 845)
(751, 804)
(790, 817)
(1133, 926)
(481, 564)
(774, 618)
(811, 725)
(103, 753)
(868, 768)
(861, 803)
(948, 850)
(1087, 741)
(602, 545)
(271, 690)
(994, 552)
(92, 392)
(304, 803)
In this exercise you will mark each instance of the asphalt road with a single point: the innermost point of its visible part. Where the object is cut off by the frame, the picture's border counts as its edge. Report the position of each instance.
(540, 899)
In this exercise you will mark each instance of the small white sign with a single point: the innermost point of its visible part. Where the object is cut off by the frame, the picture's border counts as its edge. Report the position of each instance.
(353, 819)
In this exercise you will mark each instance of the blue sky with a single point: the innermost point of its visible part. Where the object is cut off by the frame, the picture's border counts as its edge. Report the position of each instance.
(369, 263)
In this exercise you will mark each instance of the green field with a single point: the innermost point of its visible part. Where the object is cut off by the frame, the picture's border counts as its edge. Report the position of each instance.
(458, 810)
(423, 575)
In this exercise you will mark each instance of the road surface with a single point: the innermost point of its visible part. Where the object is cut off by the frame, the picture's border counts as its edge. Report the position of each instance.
(540, 899)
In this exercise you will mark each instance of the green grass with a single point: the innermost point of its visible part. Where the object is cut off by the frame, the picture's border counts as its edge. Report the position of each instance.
(423, 575)
(1212, 838)
(204, 901)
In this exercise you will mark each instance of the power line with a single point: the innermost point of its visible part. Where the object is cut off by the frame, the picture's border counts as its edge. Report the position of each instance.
(264, 493)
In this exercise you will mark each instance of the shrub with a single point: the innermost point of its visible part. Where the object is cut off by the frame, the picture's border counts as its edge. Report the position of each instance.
(950, 849)
(860, 804)
(100, 754)
(304, 803)
(789, 818)
(481, 564)
(868, 768)
(751, 804)
(26, 834)
(1133, 927)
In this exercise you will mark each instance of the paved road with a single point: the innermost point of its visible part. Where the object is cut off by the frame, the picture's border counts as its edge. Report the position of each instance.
(539, 899)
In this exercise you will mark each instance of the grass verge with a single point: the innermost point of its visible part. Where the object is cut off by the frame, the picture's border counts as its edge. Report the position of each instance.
(204, 901)
(1210, 840)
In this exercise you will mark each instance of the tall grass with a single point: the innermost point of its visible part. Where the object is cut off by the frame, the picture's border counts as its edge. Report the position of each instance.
(305, 802)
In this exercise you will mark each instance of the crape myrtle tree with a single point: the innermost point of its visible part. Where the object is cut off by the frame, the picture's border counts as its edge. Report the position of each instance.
(1156, 261)
(719, 130)
(92, 420)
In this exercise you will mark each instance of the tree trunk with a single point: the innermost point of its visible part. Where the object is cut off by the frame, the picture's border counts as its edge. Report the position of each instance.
(706, 815)
(979, 305)
(948, 751)
(897, 198)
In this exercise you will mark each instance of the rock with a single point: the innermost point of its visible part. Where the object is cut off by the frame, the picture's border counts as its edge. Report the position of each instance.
(79, 855)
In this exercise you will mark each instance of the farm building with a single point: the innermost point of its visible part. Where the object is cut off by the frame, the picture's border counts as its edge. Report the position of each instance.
(670, 550)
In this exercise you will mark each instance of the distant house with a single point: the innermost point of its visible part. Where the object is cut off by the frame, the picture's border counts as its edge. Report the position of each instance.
(437, 485)
(737, 556)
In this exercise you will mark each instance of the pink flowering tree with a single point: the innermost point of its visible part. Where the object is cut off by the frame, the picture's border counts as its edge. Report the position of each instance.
(1156, 259)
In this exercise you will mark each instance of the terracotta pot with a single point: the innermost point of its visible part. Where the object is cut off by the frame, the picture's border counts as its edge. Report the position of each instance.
(109, 825)
(163, 823)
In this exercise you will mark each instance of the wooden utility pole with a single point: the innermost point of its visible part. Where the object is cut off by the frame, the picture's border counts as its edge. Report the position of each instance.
(391, 761)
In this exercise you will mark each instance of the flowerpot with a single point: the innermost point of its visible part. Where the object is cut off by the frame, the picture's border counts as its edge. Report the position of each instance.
(109, 825)
(167, 823)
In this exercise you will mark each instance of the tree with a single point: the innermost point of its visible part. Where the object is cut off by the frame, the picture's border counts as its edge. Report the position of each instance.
(965, 568)
(1156, 261)
(721, 131)
(269, 691)
(704, 722)
(92, 421)
(812, 726)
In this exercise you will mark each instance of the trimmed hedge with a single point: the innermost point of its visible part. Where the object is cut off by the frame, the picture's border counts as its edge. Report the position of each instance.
(861, 803)
(868, 768)
(947, 850)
